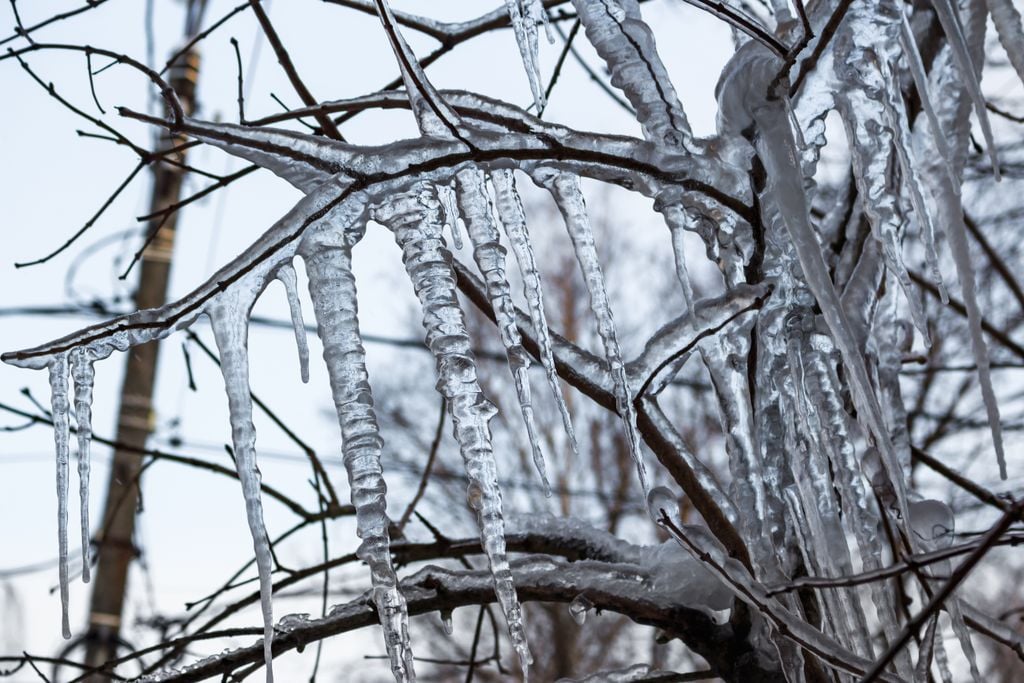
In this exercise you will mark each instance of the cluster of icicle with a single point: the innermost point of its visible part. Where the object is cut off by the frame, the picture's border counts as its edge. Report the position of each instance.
(791, 446)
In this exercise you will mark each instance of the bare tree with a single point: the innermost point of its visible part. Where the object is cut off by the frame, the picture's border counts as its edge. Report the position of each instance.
(793, 423)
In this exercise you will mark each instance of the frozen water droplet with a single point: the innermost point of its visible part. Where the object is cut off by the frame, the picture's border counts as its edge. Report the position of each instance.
(932, 521)
(290, 622)
(446, 622)
(662, 498)
(579, 607)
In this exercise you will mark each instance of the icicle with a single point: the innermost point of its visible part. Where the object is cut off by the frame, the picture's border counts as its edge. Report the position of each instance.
(875, 119)
(475, 206)
(942, 661)
(414, 218)
(949, 16)
(1008, 27)
(451, 214)
(520, 13)
(743, 100)
(82, 375)
(626, 44)
(446, 622)
(579, 607)
(903, 142)
(678, 221)
(965, 271)
(332, 287)
(286, 274)
(924, 654)
(920, 76)
(61, 435)
(513, 220)
(963, 635)
(229, 320)
(949, 211)
(752, 488)
(813, 477)
(858, 508)
(565, 190)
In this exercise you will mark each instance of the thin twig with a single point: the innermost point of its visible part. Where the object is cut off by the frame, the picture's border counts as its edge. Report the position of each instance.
(241, 89)
(476, 643)
(438, 431)
(328, 127)
(202, 35)
(913, 626)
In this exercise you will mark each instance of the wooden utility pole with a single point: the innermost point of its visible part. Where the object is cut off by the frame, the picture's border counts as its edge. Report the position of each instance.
(115, 548)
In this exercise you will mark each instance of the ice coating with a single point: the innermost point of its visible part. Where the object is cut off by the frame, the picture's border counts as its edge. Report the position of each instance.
(1008, 27)
(82, 375)
(520, 13)
(726, 362)
(568, 196)
(286, 274)
(631, 674)
(229, 320)
(617, 31)
(477, 212)
(433, 114)
(414, 218)
(950, 209)
(328, 258)
(513, 220)
(60, 407)
(673, 570)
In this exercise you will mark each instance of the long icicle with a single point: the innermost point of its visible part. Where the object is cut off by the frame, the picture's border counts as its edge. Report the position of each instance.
(82, 375)
(565, 190)
(475, 206)
(286, 274)
(414, 218)
(744, 100)
(513, 220)
(949, 211)
(920, 76)
(1008, 27)
(903, 143)
(949, 17)
(59, 407)
(229, 320)
(332, 286)
(525, 29)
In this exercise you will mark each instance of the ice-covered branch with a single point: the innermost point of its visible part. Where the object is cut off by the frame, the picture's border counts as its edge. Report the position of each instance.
(624, 588)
